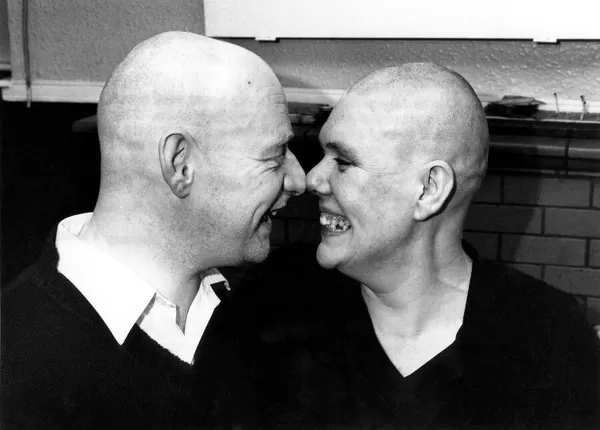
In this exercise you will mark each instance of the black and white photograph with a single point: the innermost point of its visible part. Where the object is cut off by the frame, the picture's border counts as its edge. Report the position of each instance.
(271, 214)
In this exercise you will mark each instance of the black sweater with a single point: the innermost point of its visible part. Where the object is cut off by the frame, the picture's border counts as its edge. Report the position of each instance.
(61, 366)
(524, 357)
(294, 348)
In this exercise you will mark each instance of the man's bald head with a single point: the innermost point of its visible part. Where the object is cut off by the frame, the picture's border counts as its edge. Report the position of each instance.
(177, 79)
(430, 111)
(193, 136)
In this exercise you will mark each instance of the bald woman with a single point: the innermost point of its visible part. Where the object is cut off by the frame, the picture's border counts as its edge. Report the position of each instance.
(412, 330)
(105, 329)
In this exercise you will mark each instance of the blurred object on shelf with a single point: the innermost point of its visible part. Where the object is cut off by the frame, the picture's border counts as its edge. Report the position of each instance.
(313, 114)
(514, 107)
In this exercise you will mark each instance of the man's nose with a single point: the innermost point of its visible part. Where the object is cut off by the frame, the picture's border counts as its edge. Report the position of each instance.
(316, 180)
(295, 178)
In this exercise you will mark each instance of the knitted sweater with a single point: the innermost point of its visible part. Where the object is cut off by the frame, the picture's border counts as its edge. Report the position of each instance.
(62, 367)
(294, 348)
(524, 356)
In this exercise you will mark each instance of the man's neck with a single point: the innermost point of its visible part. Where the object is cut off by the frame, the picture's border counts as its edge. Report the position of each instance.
(136, 251)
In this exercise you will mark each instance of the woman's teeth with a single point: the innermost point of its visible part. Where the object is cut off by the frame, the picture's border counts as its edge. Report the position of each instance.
(335, 222)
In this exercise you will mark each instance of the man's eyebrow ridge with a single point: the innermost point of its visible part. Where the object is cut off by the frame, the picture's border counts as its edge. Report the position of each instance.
(341, 149)
(281, 146)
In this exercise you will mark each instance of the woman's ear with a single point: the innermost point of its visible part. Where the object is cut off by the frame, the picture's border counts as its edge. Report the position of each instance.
(175, 151)
(438, 182)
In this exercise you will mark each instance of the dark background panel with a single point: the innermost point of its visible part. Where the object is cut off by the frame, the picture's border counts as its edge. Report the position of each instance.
(47, 174)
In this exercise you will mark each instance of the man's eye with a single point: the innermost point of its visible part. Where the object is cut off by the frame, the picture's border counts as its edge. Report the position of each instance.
(279, 160)
(342, 164)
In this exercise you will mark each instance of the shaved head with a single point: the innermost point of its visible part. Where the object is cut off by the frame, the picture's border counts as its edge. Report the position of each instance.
(193, 136)
(430, 111)
(405, 150)
(176, 79)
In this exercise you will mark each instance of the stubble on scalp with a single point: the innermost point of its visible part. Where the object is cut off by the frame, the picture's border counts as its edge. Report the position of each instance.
(182, 79)
(432, 113)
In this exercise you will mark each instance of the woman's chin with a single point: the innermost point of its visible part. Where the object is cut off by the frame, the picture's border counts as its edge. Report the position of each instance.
(328, 256)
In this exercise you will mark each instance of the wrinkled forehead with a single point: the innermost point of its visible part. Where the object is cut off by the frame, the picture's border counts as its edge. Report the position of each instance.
(253, 120)
(273, 103)
(269, 108)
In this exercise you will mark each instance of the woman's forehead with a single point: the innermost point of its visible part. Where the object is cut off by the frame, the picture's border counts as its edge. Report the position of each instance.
(377, 139)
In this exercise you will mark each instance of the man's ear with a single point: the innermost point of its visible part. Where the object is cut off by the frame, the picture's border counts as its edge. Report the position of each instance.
(175, 155)
(437, 182)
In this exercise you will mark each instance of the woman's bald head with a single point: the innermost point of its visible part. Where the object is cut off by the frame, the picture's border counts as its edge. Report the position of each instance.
(431, 112)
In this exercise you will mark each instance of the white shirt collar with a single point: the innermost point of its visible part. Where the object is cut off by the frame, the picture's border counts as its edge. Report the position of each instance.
(118, 294)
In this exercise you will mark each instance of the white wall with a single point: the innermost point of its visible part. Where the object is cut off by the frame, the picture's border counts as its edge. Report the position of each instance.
(85, 39)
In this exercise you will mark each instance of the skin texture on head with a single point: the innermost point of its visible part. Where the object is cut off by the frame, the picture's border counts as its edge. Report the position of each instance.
(432, 114)
(193, 135)
(405, 150)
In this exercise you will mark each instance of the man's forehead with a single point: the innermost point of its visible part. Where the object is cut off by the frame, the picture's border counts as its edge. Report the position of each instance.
(251, 127)
(272, 125)
(277, 112)
(264, 103)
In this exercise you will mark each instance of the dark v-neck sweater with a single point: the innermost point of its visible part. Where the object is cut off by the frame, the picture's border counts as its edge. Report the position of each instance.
(61, 366)
(523, 358)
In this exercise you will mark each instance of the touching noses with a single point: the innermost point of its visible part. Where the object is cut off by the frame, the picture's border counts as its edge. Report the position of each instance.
(316, 180)
(295, 178)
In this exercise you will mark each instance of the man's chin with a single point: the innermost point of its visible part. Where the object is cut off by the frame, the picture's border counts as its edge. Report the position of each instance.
(258, 253)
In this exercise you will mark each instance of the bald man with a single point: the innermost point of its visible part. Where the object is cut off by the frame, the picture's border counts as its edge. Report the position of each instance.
(412, 329)
(119, 323)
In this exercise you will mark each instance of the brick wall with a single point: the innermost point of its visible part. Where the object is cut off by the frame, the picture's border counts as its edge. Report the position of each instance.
(545, 225)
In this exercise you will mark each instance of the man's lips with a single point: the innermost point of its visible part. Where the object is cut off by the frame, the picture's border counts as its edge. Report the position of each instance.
(280, 203)
(271, 212)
